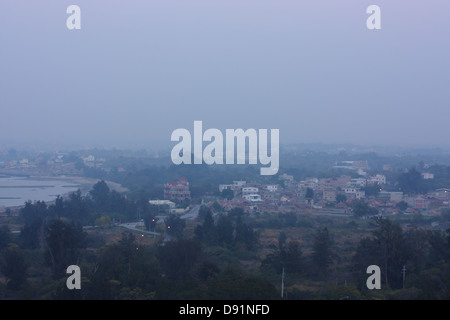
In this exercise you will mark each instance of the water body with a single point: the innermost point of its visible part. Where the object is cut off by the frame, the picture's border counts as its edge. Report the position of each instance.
(14, 191)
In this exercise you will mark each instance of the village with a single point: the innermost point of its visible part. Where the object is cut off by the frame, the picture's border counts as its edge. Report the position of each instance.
(286, 193)
(318, 195)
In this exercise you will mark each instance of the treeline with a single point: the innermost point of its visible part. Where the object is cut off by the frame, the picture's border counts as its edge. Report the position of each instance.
(149, 179)
(179, 269)
(33, 262)
(289, 257)
(229, 231)
(424, 256)
(59, 243)
(87, 209)
(202, 267)
(412, 182)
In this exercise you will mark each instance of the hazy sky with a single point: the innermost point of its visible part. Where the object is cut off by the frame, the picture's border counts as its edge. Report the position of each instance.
(137, 70)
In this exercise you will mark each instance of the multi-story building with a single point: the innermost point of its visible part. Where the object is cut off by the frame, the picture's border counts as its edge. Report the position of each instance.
(252, 197)
(271, 187)
(329, 195)
(225, 187)
(427, 175)
(378, 179)
(354, 193)
(177, 191)
(357, 183)
(249, 190)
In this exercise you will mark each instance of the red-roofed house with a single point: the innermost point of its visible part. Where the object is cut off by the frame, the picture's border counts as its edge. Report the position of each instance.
(177, 191)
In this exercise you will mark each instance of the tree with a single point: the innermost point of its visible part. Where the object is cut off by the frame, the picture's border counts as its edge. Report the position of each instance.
(387, 248)
(175, 226)
(224, 230)
(412, 182)
(361, 208)
(393, 249)
(372, 190)
(309, 193)
(341, 198)
(177, 258)
(33, 211)
(63, 243)
(4, 237)
(292, 259)
(245, 234)
(402, 205)
(227, 194)
(103, 221)
(77, 208)
(13, 267)
(58, 208)
(439, 243)
(282, 237)
(150, 221)
(122, 266)
(203, 211)
(100, 195)
(290, 219)
(285, 256)
(322, 250)
(32, 234)
(206, 232)
(236, 212)
(216, 206)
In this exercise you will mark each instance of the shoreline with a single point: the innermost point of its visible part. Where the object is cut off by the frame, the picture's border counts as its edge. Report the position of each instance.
(84, 184)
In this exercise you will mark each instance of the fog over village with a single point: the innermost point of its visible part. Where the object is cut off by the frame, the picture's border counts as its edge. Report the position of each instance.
(226, 150)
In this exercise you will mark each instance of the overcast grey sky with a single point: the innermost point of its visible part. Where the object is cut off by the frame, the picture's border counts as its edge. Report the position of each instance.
(137, 70)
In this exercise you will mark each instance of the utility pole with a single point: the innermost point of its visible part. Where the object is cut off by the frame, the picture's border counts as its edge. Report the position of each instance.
(282, 283)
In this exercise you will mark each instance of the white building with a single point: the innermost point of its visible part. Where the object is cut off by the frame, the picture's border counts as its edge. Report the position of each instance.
(311, 183)
(360, 194)
(350, 190)
(355, 193)
(169, 203)
(89, 158)
(357, 183)
(329, 195)
(239, 183)
(225, 187)
(249, 190)
(377, 179)
(427, 175)
(271, 187)
(253, 197)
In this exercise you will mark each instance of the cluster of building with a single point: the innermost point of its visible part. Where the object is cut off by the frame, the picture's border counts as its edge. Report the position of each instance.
(286, 195)
(53, 165)
(327, 195)
(93, 162)
(58, 163)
